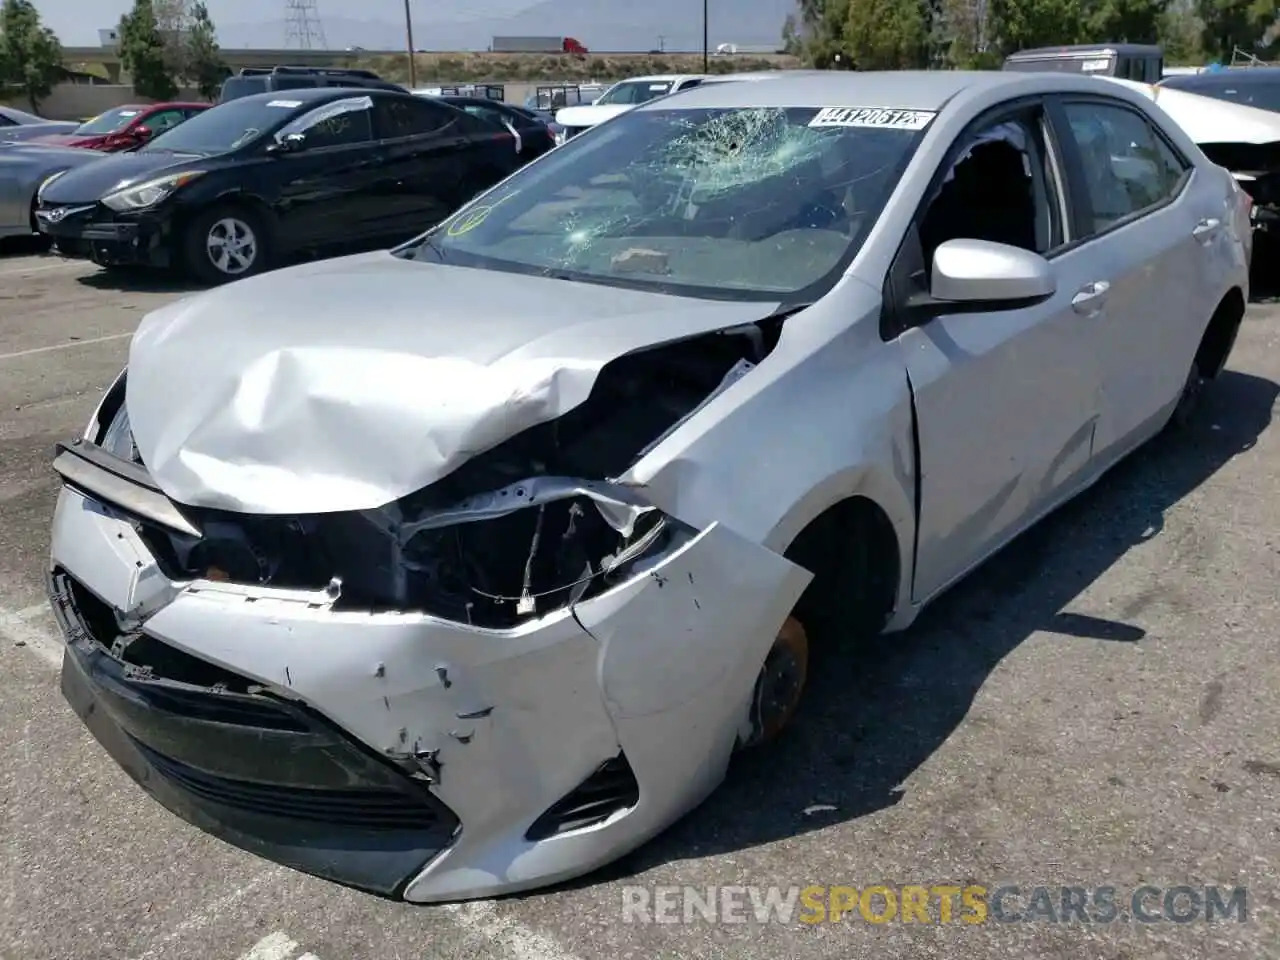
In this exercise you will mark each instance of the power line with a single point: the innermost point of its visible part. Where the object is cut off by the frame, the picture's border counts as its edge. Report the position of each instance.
(302, 26)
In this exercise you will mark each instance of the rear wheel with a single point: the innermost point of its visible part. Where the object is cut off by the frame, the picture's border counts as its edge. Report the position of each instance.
(225, 243)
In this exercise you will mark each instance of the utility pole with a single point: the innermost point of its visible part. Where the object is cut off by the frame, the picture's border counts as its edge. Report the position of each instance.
(706, 62)
(662, 44)
(408, 35)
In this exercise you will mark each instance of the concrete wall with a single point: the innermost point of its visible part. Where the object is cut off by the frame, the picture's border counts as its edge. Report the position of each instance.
(78, 101)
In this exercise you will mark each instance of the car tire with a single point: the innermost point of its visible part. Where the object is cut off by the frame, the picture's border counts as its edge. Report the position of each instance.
(1189, 399)
(225, 243)
(779, 685)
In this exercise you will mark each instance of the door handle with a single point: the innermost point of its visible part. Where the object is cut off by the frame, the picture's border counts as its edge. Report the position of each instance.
(1205, 227)
(1090, 298)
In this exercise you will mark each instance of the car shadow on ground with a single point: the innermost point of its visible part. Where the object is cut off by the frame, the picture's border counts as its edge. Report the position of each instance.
(868, 722)
(140, 280)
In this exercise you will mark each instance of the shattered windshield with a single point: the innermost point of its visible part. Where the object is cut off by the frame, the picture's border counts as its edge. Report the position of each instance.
(726, 203)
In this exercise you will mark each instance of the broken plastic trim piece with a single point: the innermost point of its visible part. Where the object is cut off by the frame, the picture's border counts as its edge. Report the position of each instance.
(87, 467)
(618, 505)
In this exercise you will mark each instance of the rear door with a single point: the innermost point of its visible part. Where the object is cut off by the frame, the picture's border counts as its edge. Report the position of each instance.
(424, 177)
(328, 190)
(1147, 232)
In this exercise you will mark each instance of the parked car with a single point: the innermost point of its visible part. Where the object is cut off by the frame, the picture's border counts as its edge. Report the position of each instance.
(125, 127)
(535, 135)
(251, 80)
(24, 168)
(1248, 86)
(1142, 62)
(18, 125)
(620, 98)
(465, 568)
(232, 191)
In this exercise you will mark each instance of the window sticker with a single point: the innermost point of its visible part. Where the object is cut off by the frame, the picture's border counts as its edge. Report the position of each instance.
(883, 117)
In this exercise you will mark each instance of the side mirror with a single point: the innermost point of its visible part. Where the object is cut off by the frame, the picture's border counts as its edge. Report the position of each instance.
(969, 271)
(143, 132)
(289, 143)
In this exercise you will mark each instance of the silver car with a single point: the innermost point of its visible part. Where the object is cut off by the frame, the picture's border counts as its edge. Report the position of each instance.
(24, 170)
(17, 125)
(466, 567)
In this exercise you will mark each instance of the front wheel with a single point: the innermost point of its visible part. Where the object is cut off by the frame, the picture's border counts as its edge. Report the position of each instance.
(1189, 400)
(225, 243)
(779, 685)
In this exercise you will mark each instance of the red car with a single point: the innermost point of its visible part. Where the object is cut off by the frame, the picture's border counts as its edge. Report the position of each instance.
(123, 127)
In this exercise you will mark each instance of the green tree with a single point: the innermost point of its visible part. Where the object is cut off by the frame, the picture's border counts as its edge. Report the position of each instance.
(1125, 21)
(886, 34)
(30, 54)
(143, 53)
(1235, 23)
(205, 67)
(1180, 33)
(1021, 24)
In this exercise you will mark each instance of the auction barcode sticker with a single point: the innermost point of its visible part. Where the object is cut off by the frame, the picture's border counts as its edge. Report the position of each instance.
(872, 117)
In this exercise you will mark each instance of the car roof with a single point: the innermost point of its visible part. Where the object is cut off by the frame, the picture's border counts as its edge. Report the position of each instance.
(891, 89)
(1085, 49)
(660, 78)
(1235, 75)
(312, 94)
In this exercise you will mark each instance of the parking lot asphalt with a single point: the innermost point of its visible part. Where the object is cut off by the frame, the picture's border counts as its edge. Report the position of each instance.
(1098, 706)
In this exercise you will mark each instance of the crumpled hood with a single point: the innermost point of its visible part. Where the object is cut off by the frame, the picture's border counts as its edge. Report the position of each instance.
(589, 116)
(347, 384)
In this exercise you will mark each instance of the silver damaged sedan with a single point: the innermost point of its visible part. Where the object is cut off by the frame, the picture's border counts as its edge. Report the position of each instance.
(464, 568)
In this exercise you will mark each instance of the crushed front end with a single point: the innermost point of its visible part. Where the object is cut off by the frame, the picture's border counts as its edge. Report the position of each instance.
(451, 696)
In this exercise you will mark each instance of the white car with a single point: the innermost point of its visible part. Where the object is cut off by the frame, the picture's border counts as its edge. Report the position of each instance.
(620, 98)
(465, 568)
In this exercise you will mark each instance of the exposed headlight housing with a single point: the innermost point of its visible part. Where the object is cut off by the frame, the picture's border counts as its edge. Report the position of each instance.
(45, 183)
(110, 427)
(141, 196)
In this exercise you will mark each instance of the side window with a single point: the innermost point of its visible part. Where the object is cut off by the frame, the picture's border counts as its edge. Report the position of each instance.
(409, 117)
(340, 123)
(6, 122)
(159, 122)
(487, 114)
(1000, 187)
(690, 84)
(1128, 166)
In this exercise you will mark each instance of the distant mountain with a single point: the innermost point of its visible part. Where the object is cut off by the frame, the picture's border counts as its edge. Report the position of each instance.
(605, 25)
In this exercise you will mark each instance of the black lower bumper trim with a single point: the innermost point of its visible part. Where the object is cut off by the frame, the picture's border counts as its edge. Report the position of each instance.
(265, 775)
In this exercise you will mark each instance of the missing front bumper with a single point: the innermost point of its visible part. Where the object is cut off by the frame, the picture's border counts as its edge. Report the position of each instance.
(264, 775)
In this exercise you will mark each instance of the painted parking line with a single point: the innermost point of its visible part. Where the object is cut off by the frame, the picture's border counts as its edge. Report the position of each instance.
(34, 351)
(22, 628)
(41, 266)
(274, 946)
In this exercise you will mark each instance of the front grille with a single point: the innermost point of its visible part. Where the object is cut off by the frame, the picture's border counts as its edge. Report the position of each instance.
(359, 809)
(612, 788)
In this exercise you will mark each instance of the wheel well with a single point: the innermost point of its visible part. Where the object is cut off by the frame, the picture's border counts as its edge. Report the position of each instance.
(235, 201)
(852, 538)
(1220, 335)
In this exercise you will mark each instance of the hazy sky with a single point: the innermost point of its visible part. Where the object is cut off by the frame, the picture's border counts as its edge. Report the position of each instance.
(78, 28)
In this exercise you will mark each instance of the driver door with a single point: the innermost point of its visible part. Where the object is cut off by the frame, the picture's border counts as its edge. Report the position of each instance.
(1006, 396)
(327, 188)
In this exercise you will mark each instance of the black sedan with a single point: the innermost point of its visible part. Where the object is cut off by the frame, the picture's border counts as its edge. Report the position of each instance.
(235, 190)
(536, 135)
